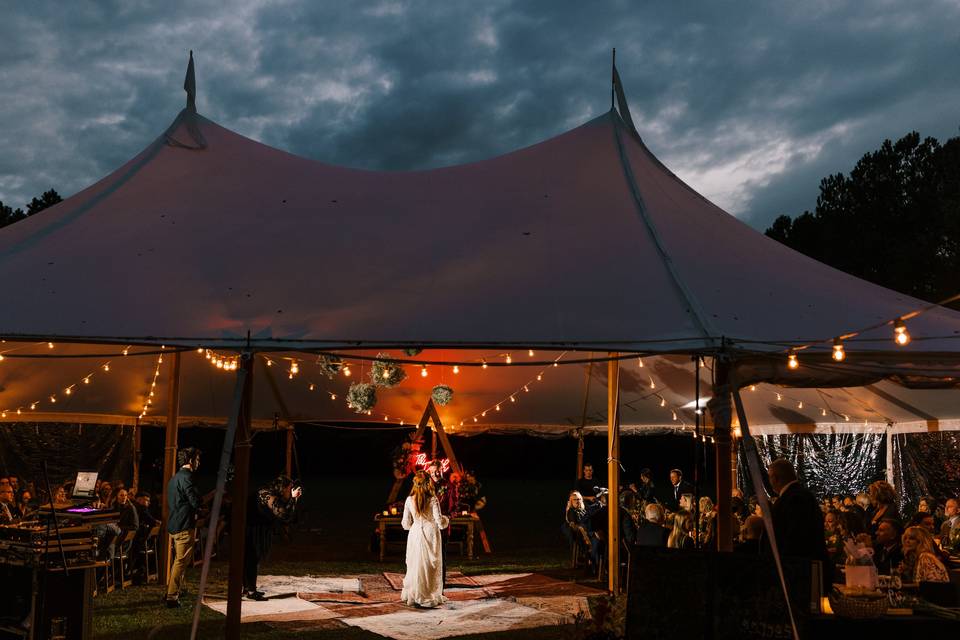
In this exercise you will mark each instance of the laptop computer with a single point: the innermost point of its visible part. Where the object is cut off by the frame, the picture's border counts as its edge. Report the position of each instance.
(85, 486)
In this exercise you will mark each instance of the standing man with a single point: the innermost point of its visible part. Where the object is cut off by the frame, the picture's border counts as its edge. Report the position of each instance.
(184, 503)
(587, 485)
(678, 487)
(797, 518)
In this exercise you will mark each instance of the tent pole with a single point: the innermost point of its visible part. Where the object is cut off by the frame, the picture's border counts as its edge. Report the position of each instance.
(583, 420)
(720, 410)
(613, 474)
(233, 419)
(169, 461)
(289, 460)
(238, 523)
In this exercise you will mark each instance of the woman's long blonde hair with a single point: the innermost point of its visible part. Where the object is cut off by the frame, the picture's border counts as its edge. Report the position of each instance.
(682, 523)
(421, 492)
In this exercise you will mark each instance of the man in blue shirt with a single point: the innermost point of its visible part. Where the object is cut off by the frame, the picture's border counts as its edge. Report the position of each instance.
(184, 502)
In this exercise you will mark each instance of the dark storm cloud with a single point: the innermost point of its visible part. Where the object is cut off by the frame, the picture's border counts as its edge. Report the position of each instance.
(752, 103)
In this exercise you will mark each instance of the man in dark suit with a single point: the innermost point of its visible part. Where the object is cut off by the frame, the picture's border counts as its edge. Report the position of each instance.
(887, 552)
(678, 487)
(797, 518)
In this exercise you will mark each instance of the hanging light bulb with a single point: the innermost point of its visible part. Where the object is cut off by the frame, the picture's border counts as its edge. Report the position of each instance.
(652, 384)
(753, 387)
(483, 415)
(199, 349)
(126, 350)
(674, 414)
(53, 399)
(423, 371)
(900, 334)
(294, 367)
(530, 353)
(823, 412)
(333, 396)
(846, 418)
(512, 399)
(509, 359)
(33, 406)
(663, 402)
(86, 380)
(498, 407)
(779, 397)
(484, 365)
(68, 390)
(49, 345)
(474, 418)
(539, 377)
(312, 386)
(838, 353)
(640, 362)
(219, 364)
(209, 355)
(555, 364)
(792, 361)
(106, 367)
(1, 357)
(800, 405)
(346, 370)
(18, 411)
(526, 389)
(456, 369)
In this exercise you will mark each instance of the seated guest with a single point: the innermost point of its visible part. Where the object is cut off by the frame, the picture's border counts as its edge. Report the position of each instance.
(884, 501)
(923, 519)
(950, 529)
(104, 499)
(708, 521)
(650, 530)
(146, 523)
(855, 519)
(9, 513)
(587, 485)
(25, 503)
(834, 535)
(598, 526)
(863, 500)
(920, 563)
(129, 518)
(750, 534)
(887, 552)
(681, 537)
(628, 526)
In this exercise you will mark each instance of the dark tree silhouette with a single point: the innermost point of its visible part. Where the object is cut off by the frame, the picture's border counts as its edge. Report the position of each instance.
(47, 199)
(895, 220)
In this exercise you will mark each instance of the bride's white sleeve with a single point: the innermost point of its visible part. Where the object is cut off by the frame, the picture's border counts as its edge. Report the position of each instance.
(407, 521)
(441, 520)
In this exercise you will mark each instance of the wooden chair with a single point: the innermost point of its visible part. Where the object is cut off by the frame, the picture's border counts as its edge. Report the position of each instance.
(122, 568)
(152, 555)
(104, 580)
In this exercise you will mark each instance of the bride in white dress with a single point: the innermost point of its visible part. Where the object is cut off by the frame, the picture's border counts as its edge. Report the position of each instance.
(423, 584)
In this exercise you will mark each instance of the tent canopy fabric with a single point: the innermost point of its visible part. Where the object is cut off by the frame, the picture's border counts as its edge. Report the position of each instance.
(584, 241)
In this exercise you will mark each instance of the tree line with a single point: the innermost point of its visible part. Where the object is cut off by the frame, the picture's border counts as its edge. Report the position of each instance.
(9, 215)
(894, 220)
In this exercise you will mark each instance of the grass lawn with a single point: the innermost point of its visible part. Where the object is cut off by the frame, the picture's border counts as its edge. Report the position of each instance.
(138, 612)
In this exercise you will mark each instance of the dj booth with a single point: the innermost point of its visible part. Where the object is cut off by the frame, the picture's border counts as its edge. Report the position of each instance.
(47, 571)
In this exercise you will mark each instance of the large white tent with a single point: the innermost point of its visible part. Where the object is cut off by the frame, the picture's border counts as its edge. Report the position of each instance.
(582, 244)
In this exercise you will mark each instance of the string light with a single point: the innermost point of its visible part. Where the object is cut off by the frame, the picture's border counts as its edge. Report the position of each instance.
(530, 353)
(484, 364)
(312, 386)
(86, 380)
(106, 367)
(346, 370)
(779, 397)
(753, 387)
(49, 345)
(640, 362)
(663, 402)
(294, 367)
(900, 334)
(539, 377)
(68, 390)
(512, 399)
(456, 369)
(792, 361)
(509, 359)
(126, 351)
(423, 371)
(800, 405)
(652, 384)
(838, 353)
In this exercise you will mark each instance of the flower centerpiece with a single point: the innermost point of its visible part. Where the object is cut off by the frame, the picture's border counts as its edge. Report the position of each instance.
(442, 395)
(361, 397)
(385, 372)
(468, 493)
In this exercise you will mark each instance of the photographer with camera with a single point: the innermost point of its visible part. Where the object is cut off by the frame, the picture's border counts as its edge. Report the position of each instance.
(272, 504)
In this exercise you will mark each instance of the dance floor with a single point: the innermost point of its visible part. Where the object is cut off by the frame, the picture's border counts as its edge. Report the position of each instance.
(477, 604)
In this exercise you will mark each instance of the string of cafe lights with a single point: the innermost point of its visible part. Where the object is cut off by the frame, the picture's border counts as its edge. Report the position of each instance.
(70, 390)
(824, 410)
(149, 394)
(901, 336)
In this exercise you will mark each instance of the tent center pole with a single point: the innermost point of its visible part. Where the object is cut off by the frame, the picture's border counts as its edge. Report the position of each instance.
(613, 474)
(238, 523)
(169, 461)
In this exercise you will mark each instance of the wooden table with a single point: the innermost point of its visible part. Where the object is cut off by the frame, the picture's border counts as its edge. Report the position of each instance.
(470, 522)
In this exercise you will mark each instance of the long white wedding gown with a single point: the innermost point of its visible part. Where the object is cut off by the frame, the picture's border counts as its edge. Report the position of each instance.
(423, 584)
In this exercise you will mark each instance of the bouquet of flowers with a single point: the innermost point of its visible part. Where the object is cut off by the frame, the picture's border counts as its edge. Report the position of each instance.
(403, 460)
(468, 493)
(361, 397)
(386, 373)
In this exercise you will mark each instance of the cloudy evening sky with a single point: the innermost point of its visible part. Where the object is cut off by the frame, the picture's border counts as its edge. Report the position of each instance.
(750, 102)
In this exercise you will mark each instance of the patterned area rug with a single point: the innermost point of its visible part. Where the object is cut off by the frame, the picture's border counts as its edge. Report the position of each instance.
(476, 604)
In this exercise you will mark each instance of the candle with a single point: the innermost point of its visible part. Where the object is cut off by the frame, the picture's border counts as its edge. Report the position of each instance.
(393, 511)
(385, 512)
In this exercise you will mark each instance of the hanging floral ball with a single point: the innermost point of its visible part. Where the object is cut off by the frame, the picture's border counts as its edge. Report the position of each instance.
(442, 395)
(361, 397)
(413, 352)
(385, 373)
(330, 365)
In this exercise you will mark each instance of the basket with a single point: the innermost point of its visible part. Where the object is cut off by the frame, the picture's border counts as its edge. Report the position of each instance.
(854, 607)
